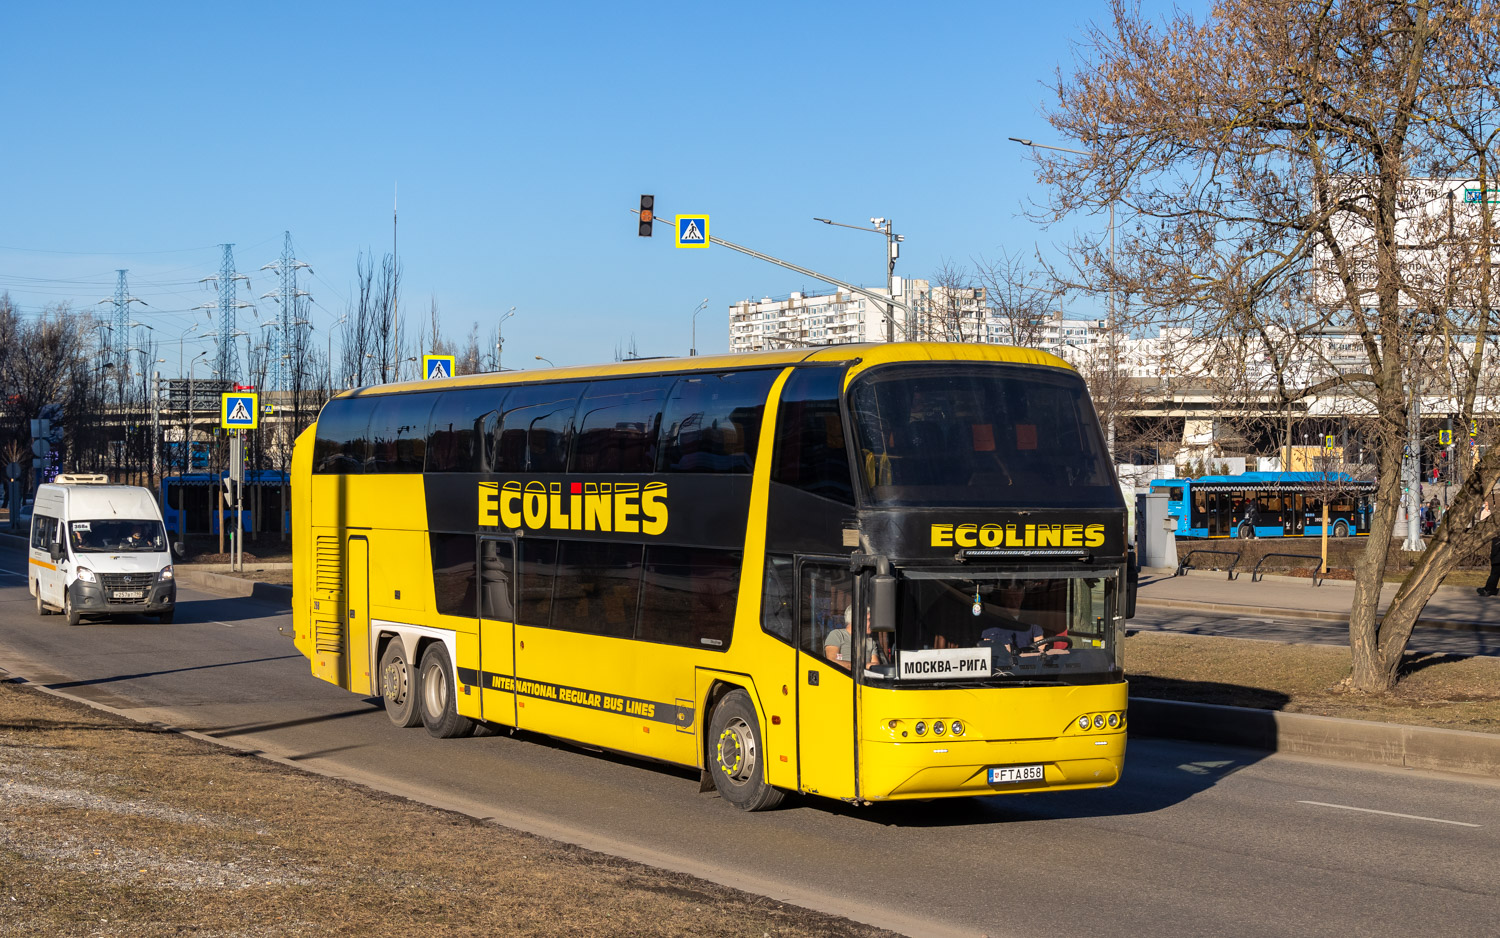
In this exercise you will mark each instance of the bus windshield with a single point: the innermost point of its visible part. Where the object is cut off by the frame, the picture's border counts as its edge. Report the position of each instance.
(1019, 626)
(955, 435)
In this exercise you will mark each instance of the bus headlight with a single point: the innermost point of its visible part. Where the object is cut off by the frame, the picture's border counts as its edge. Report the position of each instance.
(1114, 720)
(937, 727)
(1083, 722)
(166, 573)
(921, 728)
(957, 727)
(86, 575)
(1098, 721)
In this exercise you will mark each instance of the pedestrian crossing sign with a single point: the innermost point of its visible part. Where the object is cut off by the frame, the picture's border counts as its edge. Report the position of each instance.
(239, 410)
(692, 231)
(437, 366)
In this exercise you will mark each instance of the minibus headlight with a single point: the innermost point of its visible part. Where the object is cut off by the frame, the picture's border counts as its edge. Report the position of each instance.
(1083, 722)
(87, 575)
(921, 728)
(166, 574)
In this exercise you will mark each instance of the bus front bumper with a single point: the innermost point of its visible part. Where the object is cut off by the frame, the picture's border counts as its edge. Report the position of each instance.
(936, 768)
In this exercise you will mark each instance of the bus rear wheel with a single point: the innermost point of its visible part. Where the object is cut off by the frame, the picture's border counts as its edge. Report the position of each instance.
(735, 755)
(398, 685)
(438, 697)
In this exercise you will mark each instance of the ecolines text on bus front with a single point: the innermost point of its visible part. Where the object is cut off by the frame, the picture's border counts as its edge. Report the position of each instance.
(620, 507)
(1018, 535)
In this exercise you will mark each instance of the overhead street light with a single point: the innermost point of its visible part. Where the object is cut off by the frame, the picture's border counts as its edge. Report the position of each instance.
(881, 226)
(547, 360)
(500, 336)
(693, 347)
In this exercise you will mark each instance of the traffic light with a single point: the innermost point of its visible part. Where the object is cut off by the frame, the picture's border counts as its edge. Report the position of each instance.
(648, 212)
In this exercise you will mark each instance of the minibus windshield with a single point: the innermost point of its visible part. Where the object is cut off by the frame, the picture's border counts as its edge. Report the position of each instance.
(116, 535)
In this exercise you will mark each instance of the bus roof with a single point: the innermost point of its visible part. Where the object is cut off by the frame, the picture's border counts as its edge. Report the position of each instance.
(869, 355)
(1247, 478)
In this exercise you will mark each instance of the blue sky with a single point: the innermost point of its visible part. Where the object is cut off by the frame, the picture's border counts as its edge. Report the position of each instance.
(143, 135)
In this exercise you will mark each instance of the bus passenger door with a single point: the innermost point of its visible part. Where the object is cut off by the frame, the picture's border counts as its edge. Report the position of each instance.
(1295, 511)
(357, 598)
(825, 686)
(497, 630)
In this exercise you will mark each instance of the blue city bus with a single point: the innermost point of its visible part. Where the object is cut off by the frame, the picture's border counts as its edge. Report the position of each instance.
(1269, 504)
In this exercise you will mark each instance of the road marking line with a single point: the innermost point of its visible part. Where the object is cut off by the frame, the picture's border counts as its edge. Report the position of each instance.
(1410, 817)
(11, 572)
(225, 624)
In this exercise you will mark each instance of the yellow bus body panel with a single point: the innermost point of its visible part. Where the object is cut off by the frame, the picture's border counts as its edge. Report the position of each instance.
(1002, 726)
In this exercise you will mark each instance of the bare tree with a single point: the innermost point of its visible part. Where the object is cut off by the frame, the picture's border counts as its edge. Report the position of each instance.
(1020, 298)
(1269, 145)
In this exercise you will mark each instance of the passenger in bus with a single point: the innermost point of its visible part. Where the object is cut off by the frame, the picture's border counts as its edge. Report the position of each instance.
(839, 645)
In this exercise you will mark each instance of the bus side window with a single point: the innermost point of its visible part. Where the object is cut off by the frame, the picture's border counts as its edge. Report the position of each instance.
(810, 450)
(712, 422)
(398, 433)
(461, 422)
(497, 571)
(689, 596)
(453, 573)
(342, 443)
(618, 423)
(537, 427)
(538, 567)
(778, 616)
(826, 610)
(598, 588)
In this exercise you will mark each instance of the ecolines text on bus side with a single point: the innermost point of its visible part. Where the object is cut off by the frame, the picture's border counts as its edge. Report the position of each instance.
(619, 507)
(1018, 535)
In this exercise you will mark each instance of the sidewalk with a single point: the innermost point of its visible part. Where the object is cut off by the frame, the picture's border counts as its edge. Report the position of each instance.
(1451, 607)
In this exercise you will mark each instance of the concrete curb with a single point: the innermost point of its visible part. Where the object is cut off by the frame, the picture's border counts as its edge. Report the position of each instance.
(1456, 625)
(1391, 744)
(226, 585)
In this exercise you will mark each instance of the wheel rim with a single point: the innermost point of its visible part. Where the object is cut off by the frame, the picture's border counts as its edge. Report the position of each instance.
(435, 691)
(397, 681)
(735, 751)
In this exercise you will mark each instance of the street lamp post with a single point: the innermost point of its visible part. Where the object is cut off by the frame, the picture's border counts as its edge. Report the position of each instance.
(500, 337)
(547, 360)
(693, 346)
(893, 241)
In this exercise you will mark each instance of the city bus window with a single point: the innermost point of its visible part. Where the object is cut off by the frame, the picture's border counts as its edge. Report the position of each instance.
(617, 425)
(398, 433)
(778, 616)
(827, 609)
(1174, 492)
(343, 436)
(689, 596)
(538, 566)
(462, 421)
(497, 572)
(453, 573)
(712, 422)
(534, 433)
(598, 588)
(810, 450)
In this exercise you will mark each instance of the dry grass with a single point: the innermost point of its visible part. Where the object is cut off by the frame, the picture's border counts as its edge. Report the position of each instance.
(112, 828)
(1449, 691)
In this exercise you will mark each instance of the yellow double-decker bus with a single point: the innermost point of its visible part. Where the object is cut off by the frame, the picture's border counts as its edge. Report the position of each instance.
(867, 572)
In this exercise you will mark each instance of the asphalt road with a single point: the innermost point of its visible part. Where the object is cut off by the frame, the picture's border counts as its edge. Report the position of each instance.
(1309, 631)
(1196, 840)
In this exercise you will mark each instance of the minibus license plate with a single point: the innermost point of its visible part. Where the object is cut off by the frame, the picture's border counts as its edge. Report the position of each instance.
(1017, 773)
(129, 594)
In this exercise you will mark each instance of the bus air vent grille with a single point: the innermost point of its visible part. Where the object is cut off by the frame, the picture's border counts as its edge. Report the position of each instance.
(328, 636)
(328, 565)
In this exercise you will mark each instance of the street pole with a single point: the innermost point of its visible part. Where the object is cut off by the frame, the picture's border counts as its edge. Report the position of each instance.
(891, 251)
(693, 345)
(500, 338)
(156, 431)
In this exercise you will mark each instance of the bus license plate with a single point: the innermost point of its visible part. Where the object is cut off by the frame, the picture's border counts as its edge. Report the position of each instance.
(1016, 773)
(129, 594)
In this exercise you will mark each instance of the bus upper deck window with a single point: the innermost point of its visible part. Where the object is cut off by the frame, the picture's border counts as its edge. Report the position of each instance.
(712, 422)
(810, 450)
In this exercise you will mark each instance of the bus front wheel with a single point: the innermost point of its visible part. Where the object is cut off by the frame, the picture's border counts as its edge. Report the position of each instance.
(736, 753)
(1341, 529)
(398, 685)
(438, 697)
(1246, 532)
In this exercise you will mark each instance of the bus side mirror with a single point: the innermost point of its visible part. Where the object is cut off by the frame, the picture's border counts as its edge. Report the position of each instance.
(1132, 582)
(55, 548)
(883, 608)
(179, 548)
